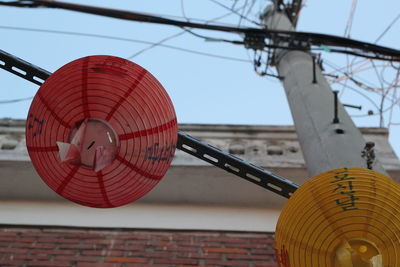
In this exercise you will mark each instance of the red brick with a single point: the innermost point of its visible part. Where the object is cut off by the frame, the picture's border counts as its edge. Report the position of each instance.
(176, 261)
(148, 243)
(131, 237)
(268, 251)
(225, 250)
(247, 257)
(163, 248)
(202, 234)
(8, 234)
(249, 245)
(79, 246)
(44, 246)
(64, 230)
(102, 253)
(264, 264)
(25, 240)
(225, 240)
(58, 240)
(77, 259)
(182, 249)
(252, 236)
(41, 234)
(60, 264)
(53, 251)
(262, 240)
(199, 244)
(11, 262)
(138, 242)
(104, 242)
(199, 256)
(84, 236)
(130, 248)
(49, 263)
(108, 232)
(13, 239)
(13, 250)
(4, 244)
(153, 233)
(227, 263)
(141, 234)
(176, 238)
(31, 257)
(125, 260)
(99, 265)
(30, 245)
(151, 255)
(7, 239)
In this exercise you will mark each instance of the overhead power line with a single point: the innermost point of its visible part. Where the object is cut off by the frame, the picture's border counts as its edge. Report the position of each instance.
(123, 39)
(170, 37)
(235, 12)
(363, 49)
(347, 31)
(11, 101)
(159, 43)
(387, 28)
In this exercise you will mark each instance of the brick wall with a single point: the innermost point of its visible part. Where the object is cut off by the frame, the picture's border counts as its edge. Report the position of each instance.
(33, 246)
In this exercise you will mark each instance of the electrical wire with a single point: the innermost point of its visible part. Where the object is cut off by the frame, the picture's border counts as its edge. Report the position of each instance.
(380, 109)
(363, 95)
(124, 39)
(159, 43)
(349, 25)
(387, 28)
(350, 76)
(383, 111)
(380, 76)
(175, 36)
(379, 52)
(11, 101)
(383, 74)
(240, 19)
(358, 48)
(394, 97)
(236, 12)
(250, 8)
(384, 93)
(395, 101)
(213, 39)
(347, 32)
(183, 10)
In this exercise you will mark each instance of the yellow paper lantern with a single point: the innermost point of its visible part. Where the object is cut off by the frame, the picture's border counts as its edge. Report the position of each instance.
(341, 218)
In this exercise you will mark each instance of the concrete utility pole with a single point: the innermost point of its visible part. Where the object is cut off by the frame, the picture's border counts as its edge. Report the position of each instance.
(327, 141)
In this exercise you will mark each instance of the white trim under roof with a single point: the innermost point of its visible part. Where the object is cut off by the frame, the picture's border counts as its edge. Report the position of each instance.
(140, 216)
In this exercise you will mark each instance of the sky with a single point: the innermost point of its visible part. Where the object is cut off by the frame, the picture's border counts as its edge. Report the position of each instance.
(203, 88)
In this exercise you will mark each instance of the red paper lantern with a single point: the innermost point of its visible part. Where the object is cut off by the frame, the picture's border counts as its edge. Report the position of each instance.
(101, 131)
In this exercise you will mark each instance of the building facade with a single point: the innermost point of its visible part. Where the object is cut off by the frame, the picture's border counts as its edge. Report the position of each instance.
(198, 215)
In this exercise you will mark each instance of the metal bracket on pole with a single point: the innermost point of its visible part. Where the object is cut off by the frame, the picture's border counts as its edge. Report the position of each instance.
(186, 143)
(314, 81)
(335, 108)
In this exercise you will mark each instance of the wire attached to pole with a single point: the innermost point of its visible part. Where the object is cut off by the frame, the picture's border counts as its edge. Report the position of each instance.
(366, 49)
